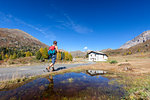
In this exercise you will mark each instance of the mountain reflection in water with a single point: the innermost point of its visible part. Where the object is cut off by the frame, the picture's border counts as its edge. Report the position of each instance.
(66, 86)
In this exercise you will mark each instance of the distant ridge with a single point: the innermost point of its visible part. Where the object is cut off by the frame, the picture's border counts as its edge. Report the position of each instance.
(18, 38)
(78, 53)
(139, 48)
(137, 40)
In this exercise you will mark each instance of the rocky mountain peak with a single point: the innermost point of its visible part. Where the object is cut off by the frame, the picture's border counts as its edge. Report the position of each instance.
(139, 39)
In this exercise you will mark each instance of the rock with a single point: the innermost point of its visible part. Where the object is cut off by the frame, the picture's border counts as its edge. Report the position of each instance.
(2, 86)
(147, 45)
(125, 66)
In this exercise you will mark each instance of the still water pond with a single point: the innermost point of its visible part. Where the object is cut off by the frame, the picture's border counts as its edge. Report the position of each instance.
(69, 86)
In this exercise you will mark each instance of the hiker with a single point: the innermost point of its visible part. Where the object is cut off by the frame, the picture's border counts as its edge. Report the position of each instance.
(52, 52)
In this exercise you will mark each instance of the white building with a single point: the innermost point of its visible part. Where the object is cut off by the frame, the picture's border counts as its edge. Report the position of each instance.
(97, 56)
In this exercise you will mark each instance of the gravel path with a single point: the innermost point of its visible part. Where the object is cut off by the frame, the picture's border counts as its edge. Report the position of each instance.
(26, 71)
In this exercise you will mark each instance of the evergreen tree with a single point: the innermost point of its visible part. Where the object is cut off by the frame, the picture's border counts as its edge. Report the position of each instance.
(0, 57)
(38, 55)
(87, 55)
(4, 51)
(19, 54)
(22, 54)
(62, 55)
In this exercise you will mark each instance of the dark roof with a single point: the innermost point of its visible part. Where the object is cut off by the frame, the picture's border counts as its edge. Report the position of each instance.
(97, 52)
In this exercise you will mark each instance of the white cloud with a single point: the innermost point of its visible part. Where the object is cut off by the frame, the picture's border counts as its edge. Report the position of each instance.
(67, 22)
(76, 27)
(85, 48)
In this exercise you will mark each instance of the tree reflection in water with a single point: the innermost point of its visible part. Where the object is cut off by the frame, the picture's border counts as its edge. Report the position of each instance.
(49, 91)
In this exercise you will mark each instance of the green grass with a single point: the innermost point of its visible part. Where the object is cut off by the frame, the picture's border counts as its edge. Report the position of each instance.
(113, 62)
(137, 86)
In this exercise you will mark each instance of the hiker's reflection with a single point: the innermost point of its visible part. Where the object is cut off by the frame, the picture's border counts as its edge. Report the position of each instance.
(49, 91)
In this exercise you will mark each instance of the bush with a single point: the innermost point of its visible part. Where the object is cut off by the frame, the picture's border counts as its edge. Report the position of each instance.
(11, 62)
(113, 62)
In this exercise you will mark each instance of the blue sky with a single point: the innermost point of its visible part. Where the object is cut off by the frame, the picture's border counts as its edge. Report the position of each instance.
(78, 24)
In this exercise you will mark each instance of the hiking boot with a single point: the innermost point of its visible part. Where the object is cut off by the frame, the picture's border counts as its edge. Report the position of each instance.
(52, 69)
(47, 70)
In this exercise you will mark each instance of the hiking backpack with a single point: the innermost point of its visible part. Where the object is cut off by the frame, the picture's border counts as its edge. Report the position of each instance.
(51, 51)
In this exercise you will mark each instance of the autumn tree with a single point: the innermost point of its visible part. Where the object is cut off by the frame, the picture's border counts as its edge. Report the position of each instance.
(125, 54)
(139, 50)
(28, 54)
(45, 53)
(70, 57)
(129, 53)
(14, 56)
(38, 55)
(11, 57)
(59, 56)
(66, 55)
(2, 53)
(42, 51)
(6, 56)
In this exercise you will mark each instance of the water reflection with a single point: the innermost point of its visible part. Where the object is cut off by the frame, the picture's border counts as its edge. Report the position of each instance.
(66, 86)
(49, 91)
(95, 72)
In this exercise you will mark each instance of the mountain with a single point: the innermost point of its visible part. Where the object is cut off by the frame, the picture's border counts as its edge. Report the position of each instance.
(105, 50)
(19, 39)
(137, 40)
(139, 48)
(78, 53)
